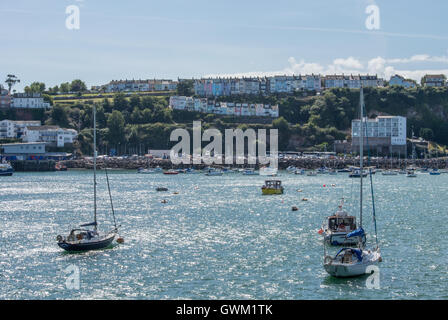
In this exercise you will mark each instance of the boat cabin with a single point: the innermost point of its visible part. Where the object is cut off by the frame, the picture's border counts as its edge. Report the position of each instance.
(339, 223)
(81, 234)
(273, 184)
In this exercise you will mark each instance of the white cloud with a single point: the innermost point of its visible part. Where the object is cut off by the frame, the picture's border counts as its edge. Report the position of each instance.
(380, 66)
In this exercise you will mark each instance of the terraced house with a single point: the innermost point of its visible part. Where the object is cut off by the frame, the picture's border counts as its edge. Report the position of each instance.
(352, 81)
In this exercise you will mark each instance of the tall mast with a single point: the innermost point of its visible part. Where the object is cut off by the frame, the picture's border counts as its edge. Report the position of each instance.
(94, 164)
(361, 151)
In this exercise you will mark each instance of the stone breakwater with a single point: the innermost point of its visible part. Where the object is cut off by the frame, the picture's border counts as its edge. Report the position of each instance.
(141, 162)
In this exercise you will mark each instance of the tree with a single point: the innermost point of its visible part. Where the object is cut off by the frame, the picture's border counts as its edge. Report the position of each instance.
(135, 101)
(116, 126)
(65, 87)
(35, 87)
(283, 132)
(59, 116)
(427, 134)
(11, 80)
(78, 86)
(185, 88)
(120, 102)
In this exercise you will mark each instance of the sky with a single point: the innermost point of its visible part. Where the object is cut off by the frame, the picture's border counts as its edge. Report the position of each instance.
(142, 39)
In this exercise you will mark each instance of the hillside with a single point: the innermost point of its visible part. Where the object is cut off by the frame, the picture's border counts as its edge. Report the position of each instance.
(133, 123)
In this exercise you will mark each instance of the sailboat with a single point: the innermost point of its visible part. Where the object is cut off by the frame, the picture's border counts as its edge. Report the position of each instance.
(87, 236)
(411, 171)
(350, 262)
(390, 172)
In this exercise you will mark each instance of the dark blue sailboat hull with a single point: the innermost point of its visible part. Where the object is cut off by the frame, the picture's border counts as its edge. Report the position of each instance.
(86, 246)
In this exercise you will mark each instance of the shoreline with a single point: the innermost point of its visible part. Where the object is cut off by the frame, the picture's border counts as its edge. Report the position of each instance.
(310, 164)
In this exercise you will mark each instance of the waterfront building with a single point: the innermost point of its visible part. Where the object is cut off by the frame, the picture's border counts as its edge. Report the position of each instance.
(29, 101)
(385, 134)
(22, 151)
(398, 80)
(434, 80)
(29, 151)
(15, 129)
(51, 135)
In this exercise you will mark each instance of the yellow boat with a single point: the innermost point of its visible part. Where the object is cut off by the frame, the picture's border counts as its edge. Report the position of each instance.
(272, 187)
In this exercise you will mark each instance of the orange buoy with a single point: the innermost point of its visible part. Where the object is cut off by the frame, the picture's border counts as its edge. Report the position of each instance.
(120, 240)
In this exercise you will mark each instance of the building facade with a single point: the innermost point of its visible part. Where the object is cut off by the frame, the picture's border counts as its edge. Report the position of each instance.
(205, 105)
(139, 85)
(51, 135)
(15, 129)
(29, 101)
(213, 87)
(434, 80)
(385, 134)
(352, 81)
(398, 80)
(5, 98)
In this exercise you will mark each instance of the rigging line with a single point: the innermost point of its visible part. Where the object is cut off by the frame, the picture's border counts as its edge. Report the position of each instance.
(110, 197)
(371, 181)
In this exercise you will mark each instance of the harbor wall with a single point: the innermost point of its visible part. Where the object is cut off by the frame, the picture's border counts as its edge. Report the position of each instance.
(308, 163)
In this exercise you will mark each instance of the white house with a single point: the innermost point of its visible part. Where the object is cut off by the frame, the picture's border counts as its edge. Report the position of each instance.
(15, 129)
(434, 80)
(52, 135)
(29, 101)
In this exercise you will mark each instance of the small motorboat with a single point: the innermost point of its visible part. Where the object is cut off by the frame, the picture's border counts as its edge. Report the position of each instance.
(171, 171)
(357, 174)
(344, 170)
(145, 171)
(411, 173)
(434, 172)
(59, 166)
(336, 228)
(300, 171)
(6, 169)
(389, 173)
(268, 171)
(291, 169)
(272, 187)
(249, 172)
(214, 172)
(311, 173)
(161, 189)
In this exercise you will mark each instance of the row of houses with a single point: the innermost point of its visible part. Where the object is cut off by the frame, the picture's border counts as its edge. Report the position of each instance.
(211, 87)
(137, 85)
(22, 100)
(206, 105)
(33, 131)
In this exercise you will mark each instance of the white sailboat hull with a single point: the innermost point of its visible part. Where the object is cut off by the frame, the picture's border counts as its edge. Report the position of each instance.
(357, 268)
